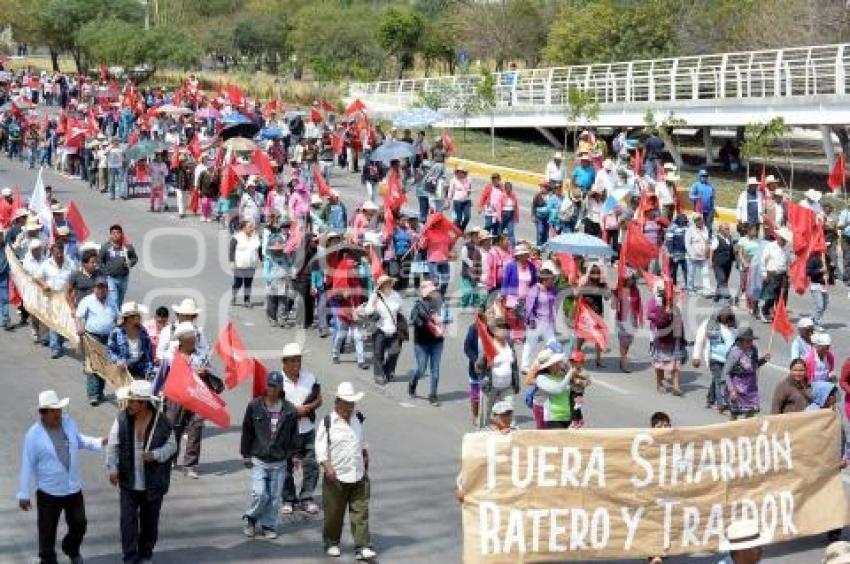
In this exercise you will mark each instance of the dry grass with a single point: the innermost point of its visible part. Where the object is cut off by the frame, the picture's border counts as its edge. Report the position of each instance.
(42, 63)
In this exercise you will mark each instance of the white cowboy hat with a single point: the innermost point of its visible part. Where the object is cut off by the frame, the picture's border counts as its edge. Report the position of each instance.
(672, 177)
(316, 200)
(36, 244)
(742, 535)
(785, 233)
(670, 167)
(548, 266)
(186, 307)
(483, 234)
(752, 180)
(821, 339)
(805, 323)
(57, 208)
(813, 195)
(521, 249)
(139, 390)
(63, 231)
(6, 192)
(770, 179)
(345, 392)
(369, 205)
(558, 155)
(503, 406)
(333, 234)
(48, 399)
(184, 329)
(21, 212)
(779, 192)
(547, 357)
(427, 288)
(372, 238)
(383, 279)
(129, 309)
(291, 349)
(89, 246)
(32, 224)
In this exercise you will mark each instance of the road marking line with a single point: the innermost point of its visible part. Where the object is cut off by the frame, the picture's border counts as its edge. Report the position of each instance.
(609, 386)
(405, 404)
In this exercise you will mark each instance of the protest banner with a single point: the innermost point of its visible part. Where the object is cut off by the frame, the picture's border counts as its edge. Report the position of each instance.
(50, 308)
(541, 496)
(97, 362)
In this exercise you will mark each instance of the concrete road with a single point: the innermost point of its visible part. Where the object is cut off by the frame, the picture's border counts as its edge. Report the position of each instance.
(415, 448)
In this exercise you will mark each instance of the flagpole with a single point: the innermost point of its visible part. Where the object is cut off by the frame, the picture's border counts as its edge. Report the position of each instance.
(153, 429)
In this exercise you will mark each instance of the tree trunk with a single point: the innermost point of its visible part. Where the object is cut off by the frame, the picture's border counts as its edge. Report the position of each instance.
(78, 60)
(54, 60)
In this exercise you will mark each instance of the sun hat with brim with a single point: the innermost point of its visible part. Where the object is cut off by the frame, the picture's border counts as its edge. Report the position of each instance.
(89, 246)
(745, 333)
(837, 552)
(383, 279)
(521, 250)
(184, 329)
(186, 307)
(770, 179)
(484, 234)
(36, 244)
(290, 350)
(672, 177)
(369, 206)
(48, 399)
(502, 407)
(670, 167)
(427, 288)
(57, 208)
(32, 224)
(812, 194)
(6, 192)
(821, 339)
(805, 323)
(547, 357)
(742, 535)
(129, 309)
(752, 181)
(345, 392)
(316, 200)
(138, 390)
(63, 231)
(21, 212)
(779, 192)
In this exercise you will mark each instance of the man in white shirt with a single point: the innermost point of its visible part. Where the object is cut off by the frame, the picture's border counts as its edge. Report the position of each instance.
(556, 170)
(51, 459)
(53, 277)
(186, 311)
(342, 451)
(697, 246)
(775, 259)
(302, 390)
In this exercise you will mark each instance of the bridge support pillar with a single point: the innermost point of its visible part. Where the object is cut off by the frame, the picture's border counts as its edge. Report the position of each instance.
(557, 143)
(709, 151)
(828, 148)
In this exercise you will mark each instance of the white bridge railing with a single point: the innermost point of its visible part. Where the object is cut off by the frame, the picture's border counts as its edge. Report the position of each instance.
(798, 71)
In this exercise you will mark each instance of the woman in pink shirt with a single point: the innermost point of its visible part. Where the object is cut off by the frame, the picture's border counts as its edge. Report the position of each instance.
(507, 211)
(460, 194)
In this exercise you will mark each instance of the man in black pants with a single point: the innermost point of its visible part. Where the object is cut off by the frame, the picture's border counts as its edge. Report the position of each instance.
(51, 459)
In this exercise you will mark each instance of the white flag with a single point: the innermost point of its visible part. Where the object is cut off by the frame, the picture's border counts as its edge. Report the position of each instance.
(39, 204)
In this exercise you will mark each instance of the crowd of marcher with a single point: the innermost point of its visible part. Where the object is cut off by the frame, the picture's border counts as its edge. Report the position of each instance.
(533, 309)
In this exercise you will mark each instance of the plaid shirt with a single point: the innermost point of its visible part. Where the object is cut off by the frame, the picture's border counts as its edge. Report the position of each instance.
(119, 351)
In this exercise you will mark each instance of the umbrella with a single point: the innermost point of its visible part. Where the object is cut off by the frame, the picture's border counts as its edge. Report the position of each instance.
(171, 109)
(271, 133)
(208, 113)
(247, 130)
(393, 151)
(235, 118)
(145, 149)
(579, 244)
(240, 144)
(417, 118)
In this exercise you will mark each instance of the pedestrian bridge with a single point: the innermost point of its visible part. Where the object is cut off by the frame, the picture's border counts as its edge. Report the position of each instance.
(806, 86)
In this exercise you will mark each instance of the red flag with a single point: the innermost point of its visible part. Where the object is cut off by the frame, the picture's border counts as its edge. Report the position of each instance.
(797, 273)
(270, 107)
(229, 348)
(322, 186)
(264, 163)
(194, 148)
(590, 326)
(261, 375)
(637, 249)
(185, 388)
(195, 201)
(389, 223)
(337, 144)
(77, 223)
(488, 344)
(802, 222)
(375, 263)
(637, 163)
(838, 175)
(781, 324)
(235, 94)
(327, 106)
(395, 193)
(17, 201)
(354, 107)
(448, 145)
(91, 123)
(315, 116)
(229, 181)
(296, 235)
(569, 266)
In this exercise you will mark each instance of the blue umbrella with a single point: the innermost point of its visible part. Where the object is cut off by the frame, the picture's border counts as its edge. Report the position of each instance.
(234, 118)
(579, 244)
(271, 133)
(417, 118)
(393, 151)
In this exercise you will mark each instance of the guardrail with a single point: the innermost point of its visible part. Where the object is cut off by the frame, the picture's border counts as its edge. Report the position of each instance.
(797, 71)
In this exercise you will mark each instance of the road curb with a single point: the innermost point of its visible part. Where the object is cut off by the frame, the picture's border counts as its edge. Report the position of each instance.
(530, 180)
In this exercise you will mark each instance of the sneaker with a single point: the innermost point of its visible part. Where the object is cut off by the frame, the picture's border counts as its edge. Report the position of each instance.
(94, 402)
(363, 365)
(269, 534)
(365, 553)
(287, 508)
(411, 389)
(190, 472)
(250, 530)
(434, 401)
(333, 551)
(310, 507)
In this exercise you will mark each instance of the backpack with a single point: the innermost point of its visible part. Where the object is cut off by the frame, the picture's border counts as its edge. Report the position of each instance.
(326, 421)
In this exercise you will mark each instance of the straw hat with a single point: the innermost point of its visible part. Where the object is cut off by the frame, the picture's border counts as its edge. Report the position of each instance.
(742, 535)
(752, 181)
(383, 279)
(57, 208)
(812, 194)
(184, 329)
(138, 390)
(6, 192)
(785, 233)
(770, 179)
(186, 307)
(547, 357)
(503, 407)
(345, 392)
(521, 249)
(20, 212)
(32, 224)
(129, 309)
(48, 399)
(369, 205)
(291, 349)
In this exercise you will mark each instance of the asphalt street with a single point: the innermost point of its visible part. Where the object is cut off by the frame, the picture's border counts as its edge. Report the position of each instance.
(415, 448)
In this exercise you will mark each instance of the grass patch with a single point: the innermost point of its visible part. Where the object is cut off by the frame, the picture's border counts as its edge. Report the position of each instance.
(42, 63)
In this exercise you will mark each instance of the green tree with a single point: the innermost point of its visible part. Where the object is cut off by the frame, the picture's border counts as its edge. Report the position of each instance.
(505, 29)
(399, 31)
(582, 108)
(761, 141)
(486, 93)
(122, 43)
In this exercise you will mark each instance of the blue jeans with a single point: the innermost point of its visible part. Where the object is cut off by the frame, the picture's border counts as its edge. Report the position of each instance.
(424, 354)
(266, 484)
(489, 223)
(341, 330)
(4, 301)
(507, 226)
(542, 228)
(117, 289)
(463, 213)
(95, 384)
(821, 303)
(56, 342)
(440, 273)
(46, 156)
(31, 156)
(115, 181)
